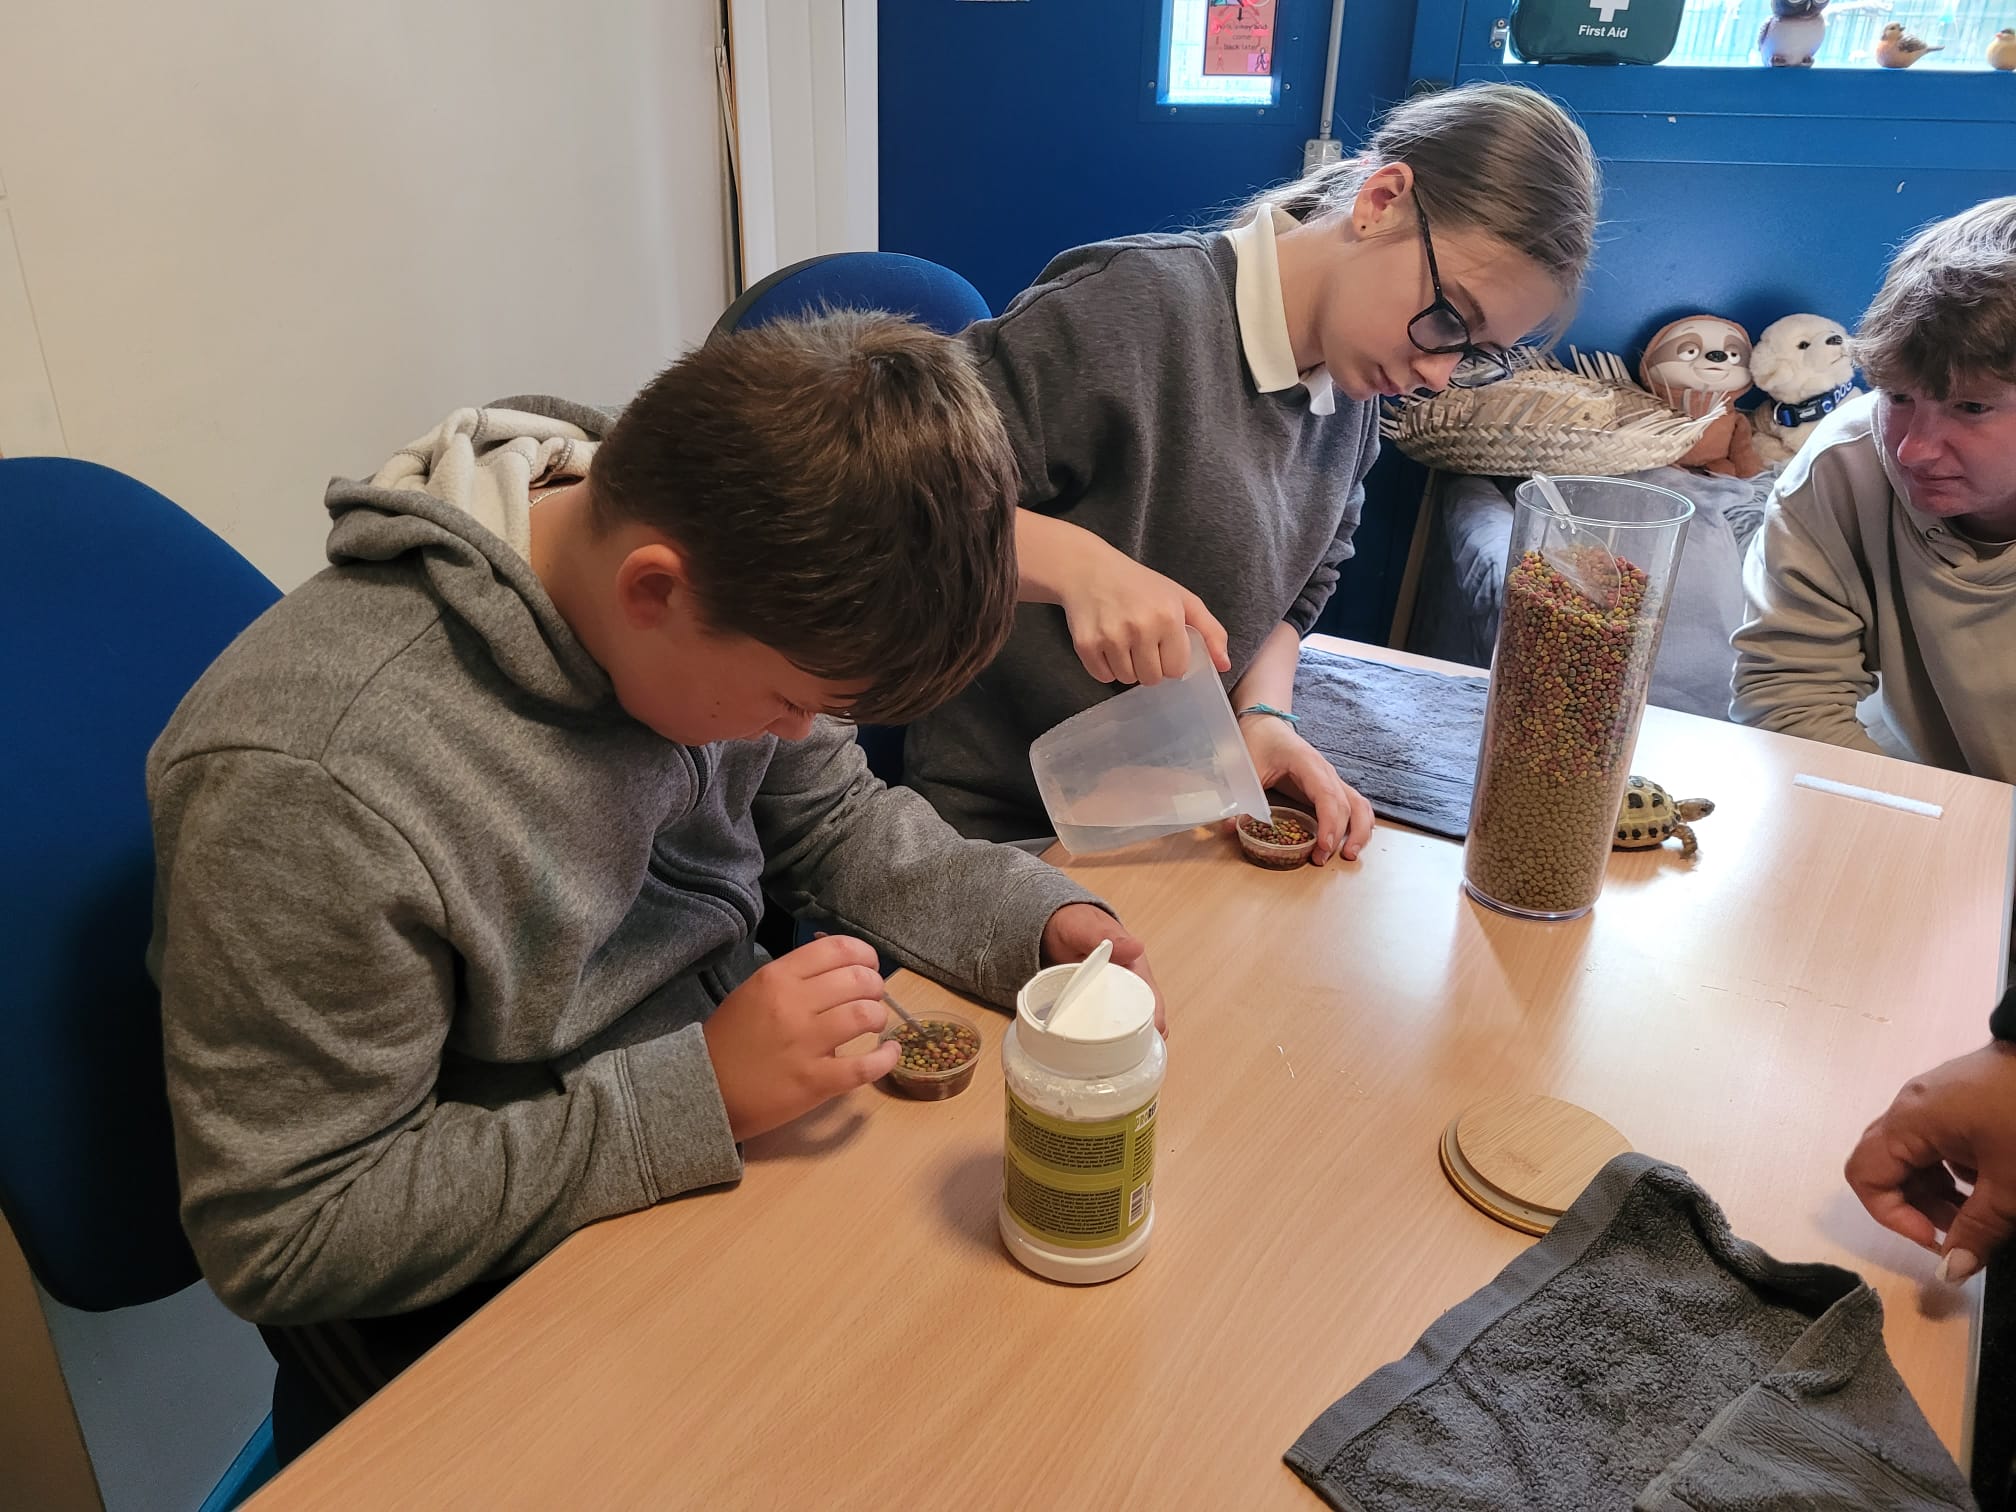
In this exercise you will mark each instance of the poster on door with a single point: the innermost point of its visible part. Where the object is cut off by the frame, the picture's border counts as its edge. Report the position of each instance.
(1239, 37)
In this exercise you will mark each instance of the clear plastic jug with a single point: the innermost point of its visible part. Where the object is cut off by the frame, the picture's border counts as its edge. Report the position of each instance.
(1150, 762)
(1568, 686)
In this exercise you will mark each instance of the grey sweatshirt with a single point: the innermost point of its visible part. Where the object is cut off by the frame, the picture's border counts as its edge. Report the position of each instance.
(437, 924)
(1127, 397)
(1851, 589)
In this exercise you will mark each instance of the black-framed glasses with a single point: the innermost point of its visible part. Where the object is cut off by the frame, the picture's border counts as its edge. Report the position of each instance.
(1441, 329)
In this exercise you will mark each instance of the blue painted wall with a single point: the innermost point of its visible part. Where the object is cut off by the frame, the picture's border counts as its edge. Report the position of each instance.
(1751, 192)
(1013, 130)
(1752, 243)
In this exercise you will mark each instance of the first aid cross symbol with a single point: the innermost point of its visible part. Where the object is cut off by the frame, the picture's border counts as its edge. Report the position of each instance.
(1609, 9)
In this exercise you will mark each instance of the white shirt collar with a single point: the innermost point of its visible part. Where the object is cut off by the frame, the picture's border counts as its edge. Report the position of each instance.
(1263, 320)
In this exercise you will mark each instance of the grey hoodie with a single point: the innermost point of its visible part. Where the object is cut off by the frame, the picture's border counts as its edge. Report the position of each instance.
(1853, 591)
(437, 924)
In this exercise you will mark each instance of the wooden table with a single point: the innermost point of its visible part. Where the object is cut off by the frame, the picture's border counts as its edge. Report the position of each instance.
(844, 1329)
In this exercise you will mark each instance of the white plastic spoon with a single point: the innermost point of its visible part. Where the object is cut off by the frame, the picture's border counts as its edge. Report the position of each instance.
(1082, 978)
(1586, 563)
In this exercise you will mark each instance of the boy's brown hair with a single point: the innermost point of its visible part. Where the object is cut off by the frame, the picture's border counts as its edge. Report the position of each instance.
(1947, 309)
(845, 491)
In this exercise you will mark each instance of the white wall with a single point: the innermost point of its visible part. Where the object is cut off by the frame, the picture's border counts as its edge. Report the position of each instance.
(263, 243)
(244, 246)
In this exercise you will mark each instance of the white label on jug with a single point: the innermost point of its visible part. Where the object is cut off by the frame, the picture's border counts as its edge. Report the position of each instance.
(1079, 1185)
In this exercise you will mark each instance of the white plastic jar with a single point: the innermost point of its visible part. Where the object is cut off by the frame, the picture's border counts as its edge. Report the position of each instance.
(1078, 1166)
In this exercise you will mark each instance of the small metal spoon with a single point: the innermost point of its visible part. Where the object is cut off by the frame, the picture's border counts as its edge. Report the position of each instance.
(903, 1013)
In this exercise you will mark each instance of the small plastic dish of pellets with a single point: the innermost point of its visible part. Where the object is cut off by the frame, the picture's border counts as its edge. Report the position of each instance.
(938, 1059)
(1281, 845)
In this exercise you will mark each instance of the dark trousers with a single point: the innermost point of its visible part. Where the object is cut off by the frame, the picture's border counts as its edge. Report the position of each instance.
(1994, 1468)
(326, 1371)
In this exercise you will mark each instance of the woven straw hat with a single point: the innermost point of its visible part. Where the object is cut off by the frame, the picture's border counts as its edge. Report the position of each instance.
(1546, 417)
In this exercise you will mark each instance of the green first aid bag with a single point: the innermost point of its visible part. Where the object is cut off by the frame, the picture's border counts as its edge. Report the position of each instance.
(1595, 31)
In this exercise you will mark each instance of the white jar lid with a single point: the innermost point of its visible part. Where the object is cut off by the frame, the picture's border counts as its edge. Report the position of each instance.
(1104, 1033)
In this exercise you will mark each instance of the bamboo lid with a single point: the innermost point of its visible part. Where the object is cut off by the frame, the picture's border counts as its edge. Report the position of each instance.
(1523, 1158)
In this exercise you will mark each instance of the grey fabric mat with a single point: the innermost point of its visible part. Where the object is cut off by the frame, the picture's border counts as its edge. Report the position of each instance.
(1640, 1355)
(1405, 738)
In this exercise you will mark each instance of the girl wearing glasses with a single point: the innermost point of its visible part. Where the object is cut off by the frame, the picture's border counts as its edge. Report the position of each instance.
(1195, 414)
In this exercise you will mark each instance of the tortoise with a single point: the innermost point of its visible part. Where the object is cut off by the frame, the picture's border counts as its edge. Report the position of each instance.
(1649, 816)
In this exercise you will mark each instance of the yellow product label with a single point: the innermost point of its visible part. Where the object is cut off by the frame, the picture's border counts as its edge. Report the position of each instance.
(1080, 1185)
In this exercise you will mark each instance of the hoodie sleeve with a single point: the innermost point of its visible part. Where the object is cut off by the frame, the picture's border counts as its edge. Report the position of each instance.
(843, 849)
(308, 989)
(1801, 657)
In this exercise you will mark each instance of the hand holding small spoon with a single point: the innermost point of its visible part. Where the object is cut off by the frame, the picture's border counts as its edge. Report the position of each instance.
(891, 1031)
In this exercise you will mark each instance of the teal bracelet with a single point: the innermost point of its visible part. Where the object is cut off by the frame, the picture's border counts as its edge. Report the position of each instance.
(1293, 719)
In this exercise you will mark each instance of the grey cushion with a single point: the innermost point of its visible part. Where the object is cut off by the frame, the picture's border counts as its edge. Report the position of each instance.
(1463, 581)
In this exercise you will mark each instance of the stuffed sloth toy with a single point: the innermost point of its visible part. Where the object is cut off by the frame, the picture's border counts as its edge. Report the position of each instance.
(1803, 363)
(1694, 364)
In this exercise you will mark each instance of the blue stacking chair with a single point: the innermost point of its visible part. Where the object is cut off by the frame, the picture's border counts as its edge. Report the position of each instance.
(112, 603)
(892, 281)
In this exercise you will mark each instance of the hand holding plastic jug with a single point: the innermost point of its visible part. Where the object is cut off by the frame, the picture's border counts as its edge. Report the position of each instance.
(1127, 621)
(1149, 762)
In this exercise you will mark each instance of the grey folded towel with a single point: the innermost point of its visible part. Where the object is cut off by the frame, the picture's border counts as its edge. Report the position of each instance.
(1405, 738)
(1640, 1355)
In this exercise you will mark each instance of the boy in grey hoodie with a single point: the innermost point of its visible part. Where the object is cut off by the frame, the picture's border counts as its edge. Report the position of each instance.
(462, 846)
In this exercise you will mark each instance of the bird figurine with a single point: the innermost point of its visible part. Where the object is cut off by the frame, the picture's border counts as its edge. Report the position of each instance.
(1793, 33)
(1899, 49)
(2002, 50)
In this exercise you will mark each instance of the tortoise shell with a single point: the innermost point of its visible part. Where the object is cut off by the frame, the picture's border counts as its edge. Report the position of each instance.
(1648, 816)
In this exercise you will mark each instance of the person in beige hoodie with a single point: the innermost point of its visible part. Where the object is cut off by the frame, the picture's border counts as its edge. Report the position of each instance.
(1887, 566)
(1884, 566)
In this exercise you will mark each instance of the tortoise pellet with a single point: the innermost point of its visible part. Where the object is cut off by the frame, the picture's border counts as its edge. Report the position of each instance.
(1282, 831)
(1568, 688)
(935, 1045)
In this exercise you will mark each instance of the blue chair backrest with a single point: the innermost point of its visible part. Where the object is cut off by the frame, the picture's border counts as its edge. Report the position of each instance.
(112, 602)
(892, 281)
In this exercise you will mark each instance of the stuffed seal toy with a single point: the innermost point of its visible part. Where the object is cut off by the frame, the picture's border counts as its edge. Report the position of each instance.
(1694, 364)
(1805, 367)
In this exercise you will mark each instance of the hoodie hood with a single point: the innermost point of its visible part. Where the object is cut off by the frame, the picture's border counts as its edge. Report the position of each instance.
(458, 502)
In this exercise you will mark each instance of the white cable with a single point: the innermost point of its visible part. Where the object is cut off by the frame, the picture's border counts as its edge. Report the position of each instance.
(1867, 795)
